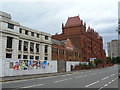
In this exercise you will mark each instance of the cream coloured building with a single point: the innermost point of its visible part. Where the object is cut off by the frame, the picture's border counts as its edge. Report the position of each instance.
(20, 42)
(112, 48)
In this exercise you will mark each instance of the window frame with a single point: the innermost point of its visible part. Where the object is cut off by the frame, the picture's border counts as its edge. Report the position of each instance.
(38, 35)
(26, 32)
(37, 49)
(20, 45)
(20, 30)
(9, 54)
(46, 37)
(32, 33)
(10, 26)
(45, 58)
(46, 49)
(31, 48)
(9, 44)
(24, 46)
(25, 55)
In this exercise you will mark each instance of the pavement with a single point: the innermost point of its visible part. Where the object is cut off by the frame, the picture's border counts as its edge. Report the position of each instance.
(93, 79)
(13, 78)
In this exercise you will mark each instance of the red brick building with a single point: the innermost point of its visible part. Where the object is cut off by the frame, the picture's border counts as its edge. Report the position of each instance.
(88, 41)
(65, 50)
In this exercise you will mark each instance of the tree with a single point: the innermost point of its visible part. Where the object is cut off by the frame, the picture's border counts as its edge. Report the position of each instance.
(114, 60)
(108, 60)
(98, 61)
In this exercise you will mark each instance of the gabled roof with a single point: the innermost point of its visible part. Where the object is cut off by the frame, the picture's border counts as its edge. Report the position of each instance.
(58, 42)
(68, 44)
(73, 21)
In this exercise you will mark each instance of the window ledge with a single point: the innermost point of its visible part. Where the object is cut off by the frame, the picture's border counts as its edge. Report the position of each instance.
(37, 53)
(31, 52)
(9, 49)
(46, 53)
(25, 51)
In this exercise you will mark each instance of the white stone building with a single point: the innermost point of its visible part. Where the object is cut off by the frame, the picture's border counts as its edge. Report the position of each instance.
(19, 42)
(112, 48)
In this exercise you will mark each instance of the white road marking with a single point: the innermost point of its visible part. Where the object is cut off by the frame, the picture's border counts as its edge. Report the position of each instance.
(105, 78)
(101, 88)
(92, 84)
(39, 84)
(60, 80)
(67, 75)
(35, 78)
(47, 77)
(108, 83)
(112, 80)
(105, 85)
(28, 79)
(32, 86)
(112, 74)
(63, 75)
(79, 77)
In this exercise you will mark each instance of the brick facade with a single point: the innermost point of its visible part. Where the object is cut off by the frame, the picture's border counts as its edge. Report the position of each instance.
(89, 42)
(65, 51)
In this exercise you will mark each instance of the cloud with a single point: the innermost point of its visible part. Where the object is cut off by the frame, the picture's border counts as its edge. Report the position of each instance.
(48, 15)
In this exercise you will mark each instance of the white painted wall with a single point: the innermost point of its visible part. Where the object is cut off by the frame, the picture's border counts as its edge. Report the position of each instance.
(69, 63)
(52, 68)
(73, 63)
(0, 68)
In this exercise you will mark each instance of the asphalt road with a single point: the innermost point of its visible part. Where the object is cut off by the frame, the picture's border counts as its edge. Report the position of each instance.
(96, 78)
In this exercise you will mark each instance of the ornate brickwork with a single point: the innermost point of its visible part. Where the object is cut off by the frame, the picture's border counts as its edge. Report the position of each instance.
(89, 42)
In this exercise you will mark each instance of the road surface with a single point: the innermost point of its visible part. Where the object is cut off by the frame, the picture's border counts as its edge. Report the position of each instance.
(95, 78)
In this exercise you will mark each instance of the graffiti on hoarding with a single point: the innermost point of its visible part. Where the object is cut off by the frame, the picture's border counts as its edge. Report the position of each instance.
(30, 64)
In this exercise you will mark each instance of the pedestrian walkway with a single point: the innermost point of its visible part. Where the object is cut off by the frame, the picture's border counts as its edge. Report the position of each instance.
(22, 77)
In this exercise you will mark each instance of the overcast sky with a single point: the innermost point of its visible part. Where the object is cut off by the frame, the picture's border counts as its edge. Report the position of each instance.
(48, 15)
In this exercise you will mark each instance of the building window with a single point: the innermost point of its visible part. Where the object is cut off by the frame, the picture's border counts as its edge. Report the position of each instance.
(20, 30)
(46, 37)
(61, 51)
(37, 47)
(11, 26)
(25, 46)
(20, 44)
(19, 56)
(55, 50)
(26, 32)
(32, 33)
(37, 35)
(84, 45)
(25, 56)
(46, 48)
(79, 55)
(9, 42)
(31, 57)
(76, 54)
(31, 47)
(66, 52)
(8, 55)
(37, 57)
(46, 58)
